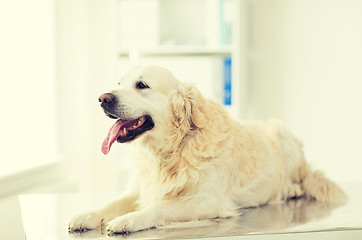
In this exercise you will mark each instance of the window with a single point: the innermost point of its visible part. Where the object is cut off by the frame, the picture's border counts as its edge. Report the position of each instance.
(28, 94)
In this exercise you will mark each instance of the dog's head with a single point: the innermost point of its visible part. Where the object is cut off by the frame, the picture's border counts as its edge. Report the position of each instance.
(149, 98)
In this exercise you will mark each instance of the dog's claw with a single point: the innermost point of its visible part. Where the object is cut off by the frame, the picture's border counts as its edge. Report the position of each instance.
(109, 232)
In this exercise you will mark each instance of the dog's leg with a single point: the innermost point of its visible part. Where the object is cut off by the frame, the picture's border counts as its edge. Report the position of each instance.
(165, 212)
(294, 190)
(95, 219)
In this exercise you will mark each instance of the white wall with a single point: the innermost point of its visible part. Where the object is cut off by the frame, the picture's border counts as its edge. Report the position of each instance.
(27, 76)
(86, 69)
(306, 68)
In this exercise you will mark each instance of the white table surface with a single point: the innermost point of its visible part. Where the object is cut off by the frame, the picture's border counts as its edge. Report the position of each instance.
(45, 216)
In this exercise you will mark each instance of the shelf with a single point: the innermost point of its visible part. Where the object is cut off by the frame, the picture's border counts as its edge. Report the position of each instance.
(180, 51)
(179, 35)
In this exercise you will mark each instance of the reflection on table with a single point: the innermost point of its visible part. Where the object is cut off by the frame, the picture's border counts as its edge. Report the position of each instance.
(45, 216)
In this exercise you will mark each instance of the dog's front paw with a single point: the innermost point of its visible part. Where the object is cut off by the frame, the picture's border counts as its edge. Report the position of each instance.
(85, 221)
(131, 222)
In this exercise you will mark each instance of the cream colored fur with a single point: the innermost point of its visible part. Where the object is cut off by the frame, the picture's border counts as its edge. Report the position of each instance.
(199, 163)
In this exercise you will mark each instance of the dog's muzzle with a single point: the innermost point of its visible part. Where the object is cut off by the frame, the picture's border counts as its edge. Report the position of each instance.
(108, 103)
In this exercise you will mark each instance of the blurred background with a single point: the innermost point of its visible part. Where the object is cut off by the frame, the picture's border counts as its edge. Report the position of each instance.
(297, 60)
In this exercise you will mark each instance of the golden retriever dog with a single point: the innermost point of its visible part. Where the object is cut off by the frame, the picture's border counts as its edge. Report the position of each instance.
(193, 161)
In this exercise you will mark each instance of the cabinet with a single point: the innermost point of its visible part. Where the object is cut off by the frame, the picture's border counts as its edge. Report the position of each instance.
(197, 40)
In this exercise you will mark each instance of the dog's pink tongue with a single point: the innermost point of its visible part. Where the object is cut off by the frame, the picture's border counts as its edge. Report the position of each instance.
(111, 137)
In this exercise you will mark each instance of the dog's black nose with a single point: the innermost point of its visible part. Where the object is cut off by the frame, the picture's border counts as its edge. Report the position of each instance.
(106, 98)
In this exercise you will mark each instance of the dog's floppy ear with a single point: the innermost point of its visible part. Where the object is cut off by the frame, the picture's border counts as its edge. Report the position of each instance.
(188, 105)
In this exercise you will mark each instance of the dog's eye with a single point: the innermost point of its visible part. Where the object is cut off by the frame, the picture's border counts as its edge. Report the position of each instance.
(141, 85)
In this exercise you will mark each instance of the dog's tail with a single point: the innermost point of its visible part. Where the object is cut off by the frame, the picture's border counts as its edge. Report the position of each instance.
(317, 186)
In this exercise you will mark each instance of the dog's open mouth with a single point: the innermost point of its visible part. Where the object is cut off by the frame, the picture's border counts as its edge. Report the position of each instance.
(126, 130)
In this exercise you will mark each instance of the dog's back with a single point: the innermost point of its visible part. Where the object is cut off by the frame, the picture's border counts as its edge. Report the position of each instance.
(273, 159)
